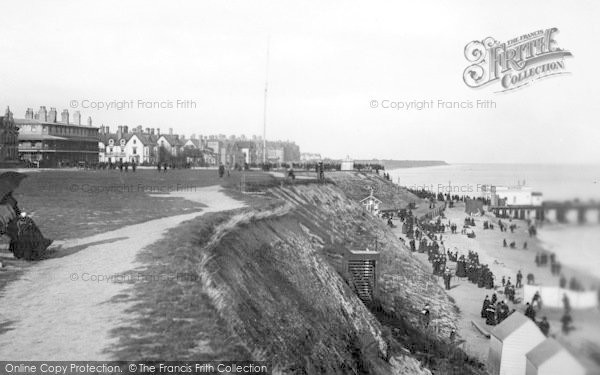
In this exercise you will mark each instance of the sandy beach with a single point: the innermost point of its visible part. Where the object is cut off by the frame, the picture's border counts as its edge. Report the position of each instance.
(583, 342)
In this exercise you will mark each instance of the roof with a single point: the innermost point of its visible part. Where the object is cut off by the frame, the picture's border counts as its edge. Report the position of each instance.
(146, 139)
(194, 141)
(245, 144)
(544, 351)
(509, 325)
(23, 121)
(105, 137)
(370, 196)
(173, 141)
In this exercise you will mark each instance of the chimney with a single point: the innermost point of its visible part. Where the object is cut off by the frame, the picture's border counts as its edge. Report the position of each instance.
(158, 131)
(64, 116)
(43, 114)
(77, 118)
(151, 131)
(139, 128)
(170, 131)
(89, 121)
(52, 115)
(193, 136)
(148, 131)
(125, 129)
(119, 132)
(29, 114)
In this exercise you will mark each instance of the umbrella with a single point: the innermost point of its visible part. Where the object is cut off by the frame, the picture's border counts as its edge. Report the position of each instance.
(9, 181)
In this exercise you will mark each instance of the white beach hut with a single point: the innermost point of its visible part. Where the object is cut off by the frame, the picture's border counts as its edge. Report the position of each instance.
(510, 341)
(551, 358)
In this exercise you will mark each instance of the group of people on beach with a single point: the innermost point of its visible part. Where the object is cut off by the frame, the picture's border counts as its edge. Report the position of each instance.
(494, 311)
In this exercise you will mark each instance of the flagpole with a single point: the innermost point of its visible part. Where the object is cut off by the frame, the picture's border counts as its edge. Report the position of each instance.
(265, 105)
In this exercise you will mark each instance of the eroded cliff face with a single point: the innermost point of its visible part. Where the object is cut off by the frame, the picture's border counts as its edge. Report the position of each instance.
(284, 300)
(278, 272)
(270, 288)
(335, 223)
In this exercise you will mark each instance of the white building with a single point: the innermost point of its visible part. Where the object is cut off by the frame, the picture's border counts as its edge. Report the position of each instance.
(518, 195)
(551, 358)
(347, 165)
(307, 156)
(510, 341)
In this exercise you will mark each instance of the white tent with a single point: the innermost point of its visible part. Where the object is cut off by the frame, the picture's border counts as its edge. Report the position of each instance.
(551, 358)
(510, 341)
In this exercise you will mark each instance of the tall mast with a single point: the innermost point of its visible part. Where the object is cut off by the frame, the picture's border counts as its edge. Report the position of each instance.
(265, 105)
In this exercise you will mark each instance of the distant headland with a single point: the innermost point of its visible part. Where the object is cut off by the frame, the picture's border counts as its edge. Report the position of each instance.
(394, 164)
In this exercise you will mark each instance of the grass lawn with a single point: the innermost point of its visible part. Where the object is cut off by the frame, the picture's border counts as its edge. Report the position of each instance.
(69, 203)
(74, 203)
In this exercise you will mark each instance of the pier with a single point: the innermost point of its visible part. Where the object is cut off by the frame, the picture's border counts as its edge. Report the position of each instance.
(561, 212)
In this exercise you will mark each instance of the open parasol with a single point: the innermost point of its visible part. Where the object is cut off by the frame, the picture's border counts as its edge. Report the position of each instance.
(9, 181)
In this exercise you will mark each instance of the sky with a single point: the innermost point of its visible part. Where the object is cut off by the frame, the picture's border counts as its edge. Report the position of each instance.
(328, 61)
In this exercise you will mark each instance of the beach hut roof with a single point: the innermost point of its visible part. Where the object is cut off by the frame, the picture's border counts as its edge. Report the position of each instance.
(370, 197)
(544, 351)
(509, 325)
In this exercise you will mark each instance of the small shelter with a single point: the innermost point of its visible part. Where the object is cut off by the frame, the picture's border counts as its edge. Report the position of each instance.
(347, 165)
(551, 358)
(510, 341)
(371, 203)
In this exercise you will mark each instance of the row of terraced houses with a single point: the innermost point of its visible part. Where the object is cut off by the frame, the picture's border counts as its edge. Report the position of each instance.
(44, 139)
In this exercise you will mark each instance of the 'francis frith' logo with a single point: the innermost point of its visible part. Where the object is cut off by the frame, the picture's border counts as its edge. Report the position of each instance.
(515, 63)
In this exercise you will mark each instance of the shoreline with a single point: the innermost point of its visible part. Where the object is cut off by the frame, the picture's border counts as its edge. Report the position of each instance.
(583, 342)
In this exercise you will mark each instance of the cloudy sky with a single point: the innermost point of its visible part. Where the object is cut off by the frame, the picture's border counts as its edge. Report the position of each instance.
(328, 61)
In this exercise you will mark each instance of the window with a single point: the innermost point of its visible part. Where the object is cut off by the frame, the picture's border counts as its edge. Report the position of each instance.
(110, 150)
(135, 150)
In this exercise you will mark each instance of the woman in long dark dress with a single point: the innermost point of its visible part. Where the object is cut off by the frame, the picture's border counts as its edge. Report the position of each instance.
(30, 243)
(26, 240)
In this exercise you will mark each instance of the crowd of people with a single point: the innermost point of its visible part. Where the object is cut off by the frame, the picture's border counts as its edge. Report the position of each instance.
(494, 311)
(427, 237)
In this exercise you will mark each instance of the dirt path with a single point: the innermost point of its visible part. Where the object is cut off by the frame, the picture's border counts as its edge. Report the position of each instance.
(59, 309)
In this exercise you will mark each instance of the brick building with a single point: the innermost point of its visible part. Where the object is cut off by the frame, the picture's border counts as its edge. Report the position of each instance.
(9, 142)
(51, 143)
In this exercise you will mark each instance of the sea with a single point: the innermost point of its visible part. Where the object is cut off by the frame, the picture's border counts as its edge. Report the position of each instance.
(575, 245)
